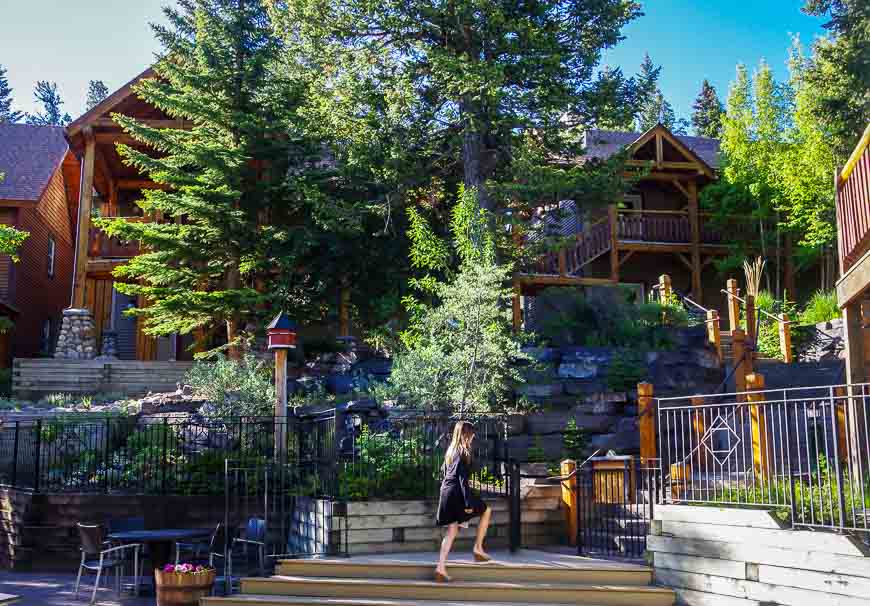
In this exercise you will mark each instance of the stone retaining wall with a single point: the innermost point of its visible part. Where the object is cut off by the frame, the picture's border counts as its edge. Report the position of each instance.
(741, 557)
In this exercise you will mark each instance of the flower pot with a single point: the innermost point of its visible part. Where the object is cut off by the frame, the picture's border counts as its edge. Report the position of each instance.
(182, 589)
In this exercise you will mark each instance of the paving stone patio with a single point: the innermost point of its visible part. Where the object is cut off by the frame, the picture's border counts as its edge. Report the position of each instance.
(56, 589)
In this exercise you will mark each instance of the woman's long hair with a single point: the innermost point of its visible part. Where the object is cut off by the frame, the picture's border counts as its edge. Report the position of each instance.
(460, 445)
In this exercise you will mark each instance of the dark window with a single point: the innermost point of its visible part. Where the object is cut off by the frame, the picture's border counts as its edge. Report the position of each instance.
(51, 250)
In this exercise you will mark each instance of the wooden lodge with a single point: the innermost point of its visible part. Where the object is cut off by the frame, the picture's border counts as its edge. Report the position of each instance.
(657, 228)
(853, 234)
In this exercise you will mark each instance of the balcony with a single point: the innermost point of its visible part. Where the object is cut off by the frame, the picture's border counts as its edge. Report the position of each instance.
(674, 227)
(853, 205)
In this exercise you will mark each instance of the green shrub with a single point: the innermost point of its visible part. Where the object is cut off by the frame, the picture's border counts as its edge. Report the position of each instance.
(768, 328)
(822, 307)
(574, 441)
(627, 369)
(234, 389)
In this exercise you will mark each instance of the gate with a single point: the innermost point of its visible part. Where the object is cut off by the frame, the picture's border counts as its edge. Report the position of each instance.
(615, 497)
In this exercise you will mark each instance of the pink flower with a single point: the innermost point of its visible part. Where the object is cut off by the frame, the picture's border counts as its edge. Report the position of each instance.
(169, 568)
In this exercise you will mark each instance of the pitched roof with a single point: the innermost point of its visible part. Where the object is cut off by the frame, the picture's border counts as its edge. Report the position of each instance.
(29, 155)
(604, 143)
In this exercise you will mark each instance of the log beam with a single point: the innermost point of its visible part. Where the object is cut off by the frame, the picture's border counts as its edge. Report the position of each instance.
(696, 241)
(86, 202)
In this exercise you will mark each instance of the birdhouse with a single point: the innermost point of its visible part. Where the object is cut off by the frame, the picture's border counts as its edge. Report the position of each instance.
(282, 332)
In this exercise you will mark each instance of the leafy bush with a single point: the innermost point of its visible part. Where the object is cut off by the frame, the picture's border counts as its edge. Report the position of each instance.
(234, 389)
(627, 369)
(822, 307)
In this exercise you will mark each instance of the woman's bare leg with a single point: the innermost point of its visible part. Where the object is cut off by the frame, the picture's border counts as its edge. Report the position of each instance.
(482, 526)
(446, 545)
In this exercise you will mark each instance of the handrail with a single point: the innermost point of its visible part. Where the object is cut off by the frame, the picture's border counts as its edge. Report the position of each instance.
(769, 315)
(683, 298)
(635, 211)
(576, 469)
(852, 162)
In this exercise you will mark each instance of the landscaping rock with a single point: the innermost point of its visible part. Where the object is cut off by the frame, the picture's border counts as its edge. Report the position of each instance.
(545, 390)
(547, 355)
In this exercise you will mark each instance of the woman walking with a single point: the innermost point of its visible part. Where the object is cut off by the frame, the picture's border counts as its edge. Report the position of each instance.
(457, 504)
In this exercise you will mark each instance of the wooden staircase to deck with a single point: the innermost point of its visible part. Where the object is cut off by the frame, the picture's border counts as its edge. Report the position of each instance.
(587, 246)
(507, 581)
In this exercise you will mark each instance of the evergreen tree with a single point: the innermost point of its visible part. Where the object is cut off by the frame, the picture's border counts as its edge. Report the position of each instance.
(6, 112)
(97, 91)
(614, 88)
(707, 114)
(247, 193)
(46, 93)
(648, 78)
(840, 70)
(656, 110)
(479, 86)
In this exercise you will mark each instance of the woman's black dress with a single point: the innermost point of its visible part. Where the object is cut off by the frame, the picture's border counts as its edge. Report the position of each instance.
(456, 495)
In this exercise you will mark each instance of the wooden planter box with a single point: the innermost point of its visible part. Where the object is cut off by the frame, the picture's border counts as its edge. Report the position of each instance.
(182, 589)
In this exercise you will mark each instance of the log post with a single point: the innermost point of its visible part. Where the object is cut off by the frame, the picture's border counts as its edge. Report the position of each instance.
(743, 365)
(86, 201)
(646, 419)
(569, 499)
(694, 220)
(751, 337)
(516, 307)
(785, 339)
(281, 404)
(613, 217)
(841, 408)
(714, 336)
(758, 426)
(665, 288)
(699, 427)
(733, 304)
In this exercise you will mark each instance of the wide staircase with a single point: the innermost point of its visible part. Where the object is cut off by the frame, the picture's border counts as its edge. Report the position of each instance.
(521, 581)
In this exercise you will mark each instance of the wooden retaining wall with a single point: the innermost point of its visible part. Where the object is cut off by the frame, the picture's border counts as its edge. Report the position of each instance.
(741, 557)
(404, 526)
(34, 378)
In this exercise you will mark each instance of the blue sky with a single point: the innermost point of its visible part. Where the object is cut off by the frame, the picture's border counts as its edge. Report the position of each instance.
(73, 41)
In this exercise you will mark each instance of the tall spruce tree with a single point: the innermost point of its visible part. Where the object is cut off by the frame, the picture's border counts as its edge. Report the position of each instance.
(97, 91)
(7, 114)
(52, 114)
(480, 85)
(707, 112)
(244, 189)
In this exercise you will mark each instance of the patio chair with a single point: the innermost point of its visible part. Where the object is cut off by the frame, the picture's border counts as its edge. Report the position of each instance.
(199, 550)
(253, 535)
(98, 555)
(121, 525)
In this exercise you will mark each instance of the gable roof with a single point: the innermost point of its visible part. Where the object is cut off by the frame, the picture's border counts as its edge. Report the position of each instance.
(107, 104)
(29, 156)
(602, 144)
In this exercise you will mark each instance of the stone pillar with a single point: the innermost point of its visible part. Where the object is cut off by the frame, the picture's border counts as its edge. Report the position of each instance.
(76, 340)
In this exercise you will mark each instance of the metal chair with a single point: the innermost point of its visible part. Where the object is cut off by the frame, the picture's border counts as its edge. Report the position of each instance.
(95, 550)
(199, 550)
(253, 535)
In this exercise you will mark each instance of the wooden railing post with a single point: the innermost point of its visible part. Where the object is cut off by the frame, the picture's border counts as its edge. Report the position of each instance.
(714, 336)
(758, 426)
(516, 307)
(733, 305)
(785, 339)
(841, 410)
(699, 427)
(665, 289)
(743, 365)
(563, 263)
(613, 217)
(647, 422)
(569, 499)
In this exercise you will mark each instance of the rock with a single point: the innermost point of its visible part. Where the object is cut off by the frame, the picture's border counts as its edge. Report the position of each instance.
(605, 408)
(623, 442)
(583, 363)
(630, 410)
(339, 383)
(541, 390)
(547, 355)
(626, 424)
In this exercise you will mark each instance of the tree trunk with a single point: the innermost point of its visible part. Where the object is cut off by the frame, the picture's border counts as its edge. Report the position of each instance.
(472, 153)
(234, 282)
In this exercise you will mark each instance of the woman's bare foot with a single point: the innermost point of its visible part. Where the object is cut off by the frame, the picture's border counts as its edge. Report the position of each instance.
(480, 555)
(441, 575)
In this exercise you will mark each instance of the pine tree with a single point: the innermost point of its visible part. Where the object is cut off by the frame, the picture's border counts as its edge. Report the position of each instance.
(246, 191)
(477, 85)
(648, 78)
(6, 112)
(97, 91)
(46, 93)
(707, 114)
(656, 110)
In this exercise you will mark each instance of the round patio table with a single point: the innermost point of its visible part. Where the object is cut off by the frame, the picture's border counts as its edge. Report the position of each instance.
(159, 541)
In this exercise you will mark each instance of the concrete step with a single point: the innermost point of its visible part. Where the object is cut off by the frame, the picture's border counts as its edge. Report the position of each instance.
(279, 600)
(595, 574)
(459, 591)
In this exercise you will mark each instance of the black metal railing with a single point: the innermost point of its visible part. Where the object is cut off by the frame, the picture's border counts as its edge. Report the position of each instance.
(803, 452)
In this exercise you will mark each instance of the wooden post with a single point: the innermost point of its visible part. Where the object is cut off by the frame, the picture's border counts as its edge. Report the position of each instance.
(86, 202)
(758, 426)
(665, 289)
(714, 335)
(733, 305)
(751, 337)
(699, 426)
(563, 263)
(743, 365)
(841, 407)
(785, 339)
(695, 224)
(646, 419)
(569, 499)
(614, 243)
(281, 404)
(517, 307)
(853, 332)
